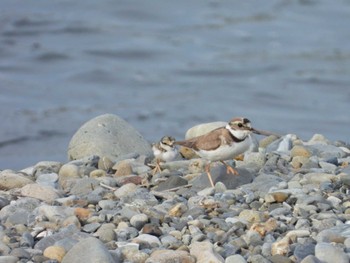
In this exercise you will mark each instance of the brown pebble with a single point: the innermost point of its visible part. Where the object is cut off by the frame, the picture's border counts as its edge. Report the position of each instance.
(263, 228)
(177, 210)
(55, 252)
(130, 179)
(299, 150)
(267, 140)
(82, 213)
(98, 173)
(123, 168)
(151, 229)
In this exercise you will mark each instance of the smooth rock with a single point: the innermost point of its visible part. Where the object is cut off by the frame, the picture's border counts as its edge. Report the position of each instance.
(107, 204)
(319, 139)
(327, 151)
(277, 196)
(204, 252)
(203, 128)
(256, 159)
(20, 253)
(219, 174)
(266, 141)
(10, 180)
(252, 216)
(281, 247)
(84, 186)
(311, 259)
(235, 259)
(106, 232)
(54, 213)
(347, 242)
(50, 179)
(134, 256)
(286, 143)
(55, 252)
(82, 213)
(166, 256)
(151, 229)
(168, 241)
(138, 221)
(67, 174)
(68, 232)
(256, 258)
(107, 135)
(318, 178)
(98, 173)
(3, 202)
(299, 161)
(336, 234)
(18, 212)
(123, 168)
(127, 179)
(92, 227)
(125, 190)
(280, 259)
(262, 184)
(27, 240)
(171, 182)
(178, 210)
(89, 250)
(152, 241)
(265, 227)
(345, 178)
(127, 233)
(329, 253)
(47, 194)
(141, 197)
(301, 251)
(299, 150)
(71, 220)
(8, 259)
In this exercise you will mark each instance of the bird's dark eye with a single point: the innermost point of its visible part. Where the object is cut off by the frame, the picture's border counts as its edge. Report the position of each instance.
(240, 125)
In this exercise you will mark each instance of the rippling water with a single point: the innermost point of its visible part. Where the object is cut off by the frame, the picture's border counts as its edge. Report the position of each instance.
(165, 66)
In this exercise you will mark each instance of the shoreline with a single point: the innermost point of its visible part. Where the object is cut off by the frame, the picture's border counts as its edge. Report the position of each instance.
(289, 204)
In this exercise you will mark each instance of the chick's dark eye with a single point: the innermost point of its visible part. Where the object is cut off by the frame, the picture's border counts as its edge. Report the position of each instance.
(240, 125)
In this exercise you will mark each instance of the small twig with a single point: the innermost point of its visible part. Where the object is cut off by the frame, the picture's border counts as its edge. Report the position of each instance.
(108, 187)
(179, 187)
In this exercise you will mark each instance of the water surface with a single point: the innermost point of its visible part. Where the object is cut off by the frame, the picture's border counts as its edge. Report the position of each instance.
(165, 66)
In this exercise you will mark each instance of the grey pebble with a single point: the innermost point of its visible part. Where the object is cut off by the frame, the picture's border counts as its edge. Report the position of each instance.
(327, 252)
(27, 240)
(88, 250)
(90, 228)
(139, 220)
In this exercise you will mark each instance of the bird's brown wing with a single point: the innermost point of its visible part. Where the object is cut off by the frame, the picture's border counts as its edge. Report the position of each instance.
(209, 141)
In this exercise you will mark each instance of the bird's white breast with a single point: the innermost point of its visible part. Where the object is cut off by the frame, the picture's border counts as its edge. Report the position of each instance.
(227, 151)
(165, 155)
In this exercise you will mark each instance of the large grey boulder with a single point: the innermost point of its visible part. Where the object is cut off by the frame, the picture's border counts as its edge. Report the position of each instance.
(107, 135)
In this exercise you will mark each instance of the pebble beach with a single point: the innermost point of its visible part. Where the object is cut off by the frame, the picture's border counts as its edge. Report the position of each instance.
(290, 203)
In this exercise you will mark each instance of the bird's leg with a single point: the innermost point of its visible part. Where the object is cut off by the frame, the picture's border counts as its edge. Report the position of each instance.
(207, 169)
(157, 169)
(230, 169)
